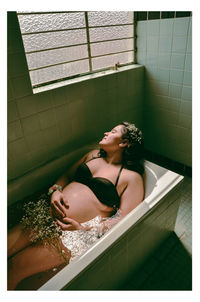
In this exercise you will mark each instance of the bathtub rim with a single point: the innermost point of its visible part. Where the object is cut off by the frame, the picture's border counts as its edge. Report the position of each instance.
(73, 269)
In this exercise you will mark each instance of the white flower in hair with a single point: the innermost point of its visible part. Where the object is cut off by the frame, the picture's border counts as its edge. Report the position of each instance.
(134, 133)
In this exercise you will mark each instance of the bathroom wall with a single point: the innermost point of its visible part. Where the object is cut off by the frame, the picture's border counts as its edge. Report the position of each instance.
(44, 126)
(165, 49)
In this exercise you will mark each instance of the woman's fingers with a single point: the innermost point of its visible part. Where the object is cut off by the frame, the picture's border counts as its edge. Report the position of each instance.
(66, 226)
(63, 226)
(57, 209)
(69, 224)
(76, 225)
(69, 220)
(60, 206)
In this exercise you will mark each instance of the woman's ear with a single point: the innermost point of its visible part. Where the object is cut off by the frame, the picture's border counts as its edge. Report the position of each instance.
(124, 143)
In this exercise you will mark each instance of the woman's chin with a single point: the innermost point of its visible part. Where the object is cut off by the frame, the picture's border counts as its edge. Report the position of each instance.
(102, 144)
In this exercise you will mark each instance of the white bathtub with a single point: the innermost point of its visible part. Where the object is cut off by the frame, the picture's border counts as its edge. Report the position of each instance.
(128, 244)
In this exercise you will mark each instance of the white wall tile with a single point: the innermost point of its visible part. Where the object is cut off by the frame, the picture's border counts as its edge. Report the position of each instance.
(152, 43)
(190, 27)
(151, 59)
(188, 62)
(187, 93)
(177, 61)
(189, 44)
(47, 118)
(164, 60)
(163, 75)
(30, 124)
(176, 76)
(186, 107)
(142, 28)
(169, 80)
(51, 137)
(44, 101)
(153, 27)
(14, 131)
(174, 104)
(12, 111)
(165, 44)
(175, 91)
(166, 26)
(59, 96)
(181, 26)
(163, 88)
(34, 141)
(142, 43)
(17, 65)
(179, 44)
(26, 106)
(187, 78)
(19, 146)
(10, 95)
(185, 120)
(141, 58)
(21, 86)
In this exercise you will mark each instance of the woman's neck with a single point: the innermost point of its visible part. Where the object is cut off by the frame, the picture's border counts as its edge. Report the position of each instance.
(114, 158)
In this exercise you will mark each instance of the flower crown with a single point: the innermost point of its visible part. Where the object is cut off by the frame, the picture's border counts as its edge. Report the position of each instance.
(134, 134)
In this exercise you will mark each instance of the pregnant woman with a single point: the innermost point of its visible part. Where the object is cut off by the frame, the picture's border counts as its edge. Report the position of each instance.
(84, 200)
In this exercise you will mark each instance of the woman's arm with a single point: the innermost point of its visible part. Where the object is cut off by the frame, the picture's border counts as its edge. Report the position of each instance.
(58, 200)
(131, 198)
(68, 176)
(133, 194)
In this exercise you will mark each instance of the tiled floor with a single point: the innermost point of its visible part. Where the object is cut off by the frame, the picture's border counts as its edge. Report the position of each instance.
(183, 226)
(170, 268)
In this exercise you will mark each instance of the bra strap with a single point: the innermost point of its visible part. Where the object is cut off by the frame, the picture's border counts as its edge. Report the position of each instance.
(95, 157)
(118, 176)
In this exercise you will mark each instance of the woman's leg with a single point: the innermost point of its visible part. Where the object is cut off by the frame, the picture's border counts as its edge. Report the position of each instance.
(17, 240)
(34, 259)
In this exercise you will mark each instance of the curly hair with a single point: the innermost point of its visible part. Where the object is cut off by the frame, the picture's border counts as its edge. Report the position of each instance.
(133, 153)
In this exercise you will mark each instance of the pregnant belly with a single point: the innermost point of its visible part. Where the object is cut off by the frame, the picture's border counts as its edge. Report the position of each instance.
(82, 204)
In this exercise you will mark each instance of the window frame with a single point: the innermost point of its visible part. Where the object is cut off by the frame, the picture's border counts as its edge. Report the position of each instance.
(81, 76)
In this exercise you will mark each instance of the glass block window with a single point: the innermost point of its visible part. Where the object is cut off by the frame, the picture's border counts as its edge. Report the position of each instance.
(64, 45)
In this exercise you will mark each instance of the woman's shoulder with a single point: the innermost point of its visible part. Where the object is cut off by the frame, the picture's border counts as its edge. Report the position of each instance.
(137, 167)
(132, 176)
(92, 154)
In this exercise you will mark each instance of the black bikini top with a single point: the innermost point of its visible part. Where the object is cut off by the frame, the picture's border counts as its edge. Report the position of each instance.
(103, 188)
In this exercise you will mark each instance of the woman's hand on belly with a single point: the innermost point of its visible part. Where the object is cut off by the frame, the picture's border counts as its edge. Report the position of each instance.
(59, 204)
(69, 224)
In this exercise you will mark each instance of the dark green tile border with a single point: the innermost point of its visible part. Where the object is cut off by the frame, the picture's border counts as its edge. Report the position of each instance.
(153, 15)
(166, 15)
(183, 14)
(139, 16)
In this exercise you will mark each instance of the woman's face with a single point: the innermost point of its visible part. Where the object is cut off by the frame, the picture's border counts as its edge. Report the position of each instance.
(112, 139)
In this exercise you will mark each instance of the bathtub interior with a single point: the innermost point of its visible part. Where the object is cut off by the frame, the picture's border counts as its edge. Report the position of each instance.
(156, 179)
(150, 179)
